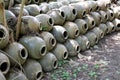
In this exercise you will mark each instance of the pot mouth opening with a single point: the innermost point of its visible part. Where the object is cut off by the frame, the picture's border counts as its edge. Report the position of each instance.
(97, 8)
(2, 33)
(85, 26)
(113, 28)
(4, 67)
(111, 14)
(50, 21)
(55, 64)
(39, 75)
(84, 13)
(65, 55)
(77, 48)
(40, 11)
(87, 44)
(74, 11)
(65, 35)
(52, 41)
(93, 23)
(106, 17)
(102, 34)
(118, 25)
(96, 40)
(76, 32)
(43, 50)
(62, 14)
(90, 10)
(23, 53)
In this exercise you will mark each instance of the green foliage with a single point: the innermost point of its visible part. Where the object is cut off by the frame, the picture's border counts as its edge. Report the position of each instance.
(44, 28)
(85, 67)
(96, 66)
(93, 74)
(60, 63)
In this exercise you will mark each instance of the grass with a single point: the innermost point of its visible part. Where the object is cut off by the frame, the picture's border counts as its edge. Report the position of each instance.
(64, 74)
(93, 74)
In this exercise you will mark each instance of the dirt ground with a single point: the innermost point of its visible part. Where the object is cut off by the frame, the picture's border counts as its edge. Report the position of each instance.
(101, 62)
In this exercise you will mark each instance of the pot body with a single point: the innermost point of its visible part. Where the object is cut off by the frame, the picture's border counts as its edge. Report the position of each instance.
(47, 21)
(15, 74)
(35, 46)
(92, 5)
(4, 37)
(11, 19)
(33, 9)
(70, 12)
(99, 33)
(58, 16)
(73, 47)
(4, 63)
(104, 28)
(82, 25)
(49, 40)
(110, 14)
(81, 11)
(29, 25)
(33, 69)
(60, 33)
(72, 29)
(116, 23)
(17, 52)
(16, 10)
(87, 8)
(49, 62)
(60, 51)
(92, 38)
(97, 17)
(102, 5)
(44, 7)
(110, 26)
(83, 42)
(104, 16)
(90, 21)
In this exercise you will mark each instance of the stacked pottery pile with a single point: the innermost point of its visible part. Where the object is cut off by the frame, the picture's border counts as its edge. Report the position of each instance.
(52, 31)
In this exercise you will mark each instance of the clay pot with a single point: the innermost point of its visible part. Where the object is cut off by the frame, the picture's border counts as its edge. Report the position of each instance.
(47, 21)
(90, 21)
(49, 40)
(60, 51)
(92, 38)
(33, 69)
(17, 52)
(111, 27)
(35, 46)
(82, 25)
(4, 37)
(83, 42)
(58, 16)
(72, 29)
(70, 12)
(73, 47)
(49, 62)
(60, 33)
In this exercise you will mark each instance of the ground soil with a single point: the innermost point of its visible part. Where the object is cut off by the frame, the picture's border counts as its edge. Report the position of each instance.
(101, 62)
